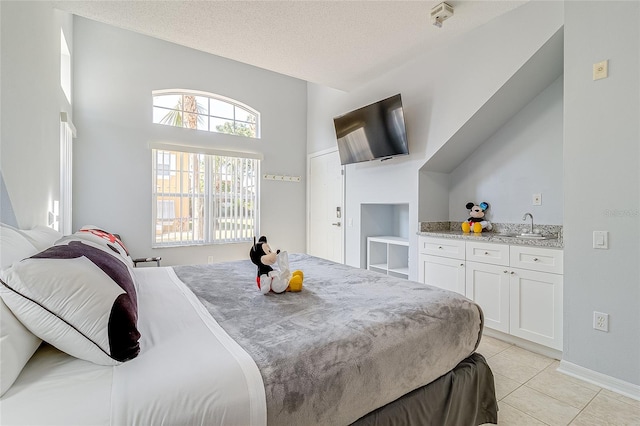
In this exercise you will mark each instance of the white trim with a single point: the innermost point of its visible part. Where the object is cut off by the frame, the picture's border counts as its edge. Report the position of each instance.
(607, 382)
(524, 343)
(255, 385)
(195, 149)
(64, 117)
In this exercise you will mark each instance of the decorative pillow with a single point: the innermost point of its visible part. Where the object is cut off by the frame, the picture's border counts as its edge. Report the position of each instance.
(78, 297)
(17, 345)
(107, 239)
(13, 246)
(42, 237)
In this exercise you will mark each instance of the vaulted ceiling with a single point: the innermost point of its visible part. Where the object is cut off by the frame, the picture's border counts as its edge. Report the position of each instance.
(340, 44)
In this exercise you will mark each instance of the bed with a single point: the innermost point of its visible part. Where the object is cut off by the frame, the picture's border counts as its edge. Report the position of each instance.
(353, 347)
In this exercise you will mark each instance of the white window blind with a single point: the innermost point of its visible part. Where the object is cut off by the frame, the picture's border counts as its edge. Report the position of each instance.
(202, 198)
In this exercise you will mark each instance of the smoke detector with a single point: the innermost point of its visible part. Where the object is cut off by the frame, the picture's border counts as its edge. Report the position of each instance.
(440, 13)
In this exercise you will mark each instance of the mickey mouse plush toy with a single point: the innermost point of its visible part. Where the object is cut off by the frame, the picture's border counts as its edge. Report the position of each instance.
(269, 279)
(476, 222)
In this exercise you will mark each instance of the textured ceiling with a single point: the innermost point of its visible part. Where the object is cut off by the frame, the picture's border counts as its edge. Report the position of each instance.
(340, 44)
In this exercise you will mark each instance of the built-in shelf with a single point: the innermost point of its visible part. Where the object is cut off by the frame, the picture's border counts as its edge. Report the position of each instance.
(388, 255)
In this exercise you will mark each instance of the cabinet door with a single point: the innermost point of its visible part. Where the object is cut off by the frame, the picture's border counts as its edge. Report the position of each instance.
(536, 307)
(446, 247)
(442, 272)
(488, 286)
(537, 259)
(497, 254)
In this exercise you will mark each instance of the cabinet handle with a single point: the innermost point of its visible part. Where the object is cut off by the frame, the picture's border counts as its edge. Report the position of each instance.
(513, 273)
(505, 271)
(439, 247)
(486, 253)
(535, 259)
(462, 264)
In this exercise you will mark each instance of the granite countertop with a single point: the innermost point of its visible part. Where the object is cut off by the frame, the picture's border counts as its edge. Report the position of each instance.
(494, 236)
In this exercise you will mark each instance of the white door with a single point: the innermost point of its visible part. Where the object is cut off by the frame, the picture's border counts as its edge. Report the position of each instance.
(325, 206)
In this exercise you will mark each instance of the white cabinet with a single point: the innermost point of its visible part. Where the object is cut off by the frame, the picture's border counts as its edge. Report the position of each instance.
(536, 296)
(441, 263)
(519, 288)
(488, 286)
(388, 255)
(442, 272)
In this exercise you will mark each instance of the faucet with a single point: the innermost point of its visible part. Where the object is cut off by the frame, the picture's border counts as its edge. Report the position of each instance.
(525, 218)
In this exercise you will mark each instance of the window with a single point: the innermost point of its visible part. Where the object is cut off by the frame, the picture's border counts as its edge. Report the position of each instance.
(67, 133)
(205, 111)
(203, 198)
(65, 67)
(166, 165)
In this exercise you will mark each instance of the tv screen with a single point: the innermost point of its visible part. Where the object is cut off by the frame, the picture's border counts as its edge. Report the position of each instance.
(372, 132)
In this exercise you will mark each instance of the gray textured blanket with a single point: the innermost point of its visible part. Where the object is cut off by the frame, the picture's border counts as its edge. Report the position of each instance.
(351, 341)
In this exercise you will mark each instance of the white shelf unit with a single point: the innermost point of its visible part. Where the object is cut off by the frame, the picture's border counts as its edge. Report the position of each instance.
(388, 255)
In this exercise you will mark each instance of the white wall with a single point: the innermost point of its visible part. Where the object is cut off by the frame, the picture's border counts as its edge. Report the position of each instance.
(441, 90)
(30, 106)
(115, 73)
(602, 187)
(524, 157)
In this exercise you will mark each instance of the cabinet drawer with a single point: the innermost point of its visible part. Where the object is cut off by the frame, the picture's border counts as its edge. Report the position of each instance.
(442, 247)
(495, 254)
(537, 259)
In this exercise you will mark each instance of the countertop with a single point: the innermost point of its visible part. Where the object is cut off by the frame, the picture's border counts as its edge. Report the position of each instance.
(493, 237)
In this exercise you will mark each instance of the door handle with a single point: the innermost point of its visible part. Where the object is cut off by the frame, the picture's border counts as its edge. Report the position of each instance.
(337, 224)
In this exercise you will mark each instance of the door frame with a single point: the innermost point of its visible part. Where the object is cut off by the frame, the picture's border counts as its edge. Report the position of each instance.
(308, 216)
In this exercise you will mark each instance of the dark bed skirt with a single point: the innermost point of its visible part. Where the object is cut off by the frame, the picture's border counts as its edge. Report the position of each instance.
(465, 396)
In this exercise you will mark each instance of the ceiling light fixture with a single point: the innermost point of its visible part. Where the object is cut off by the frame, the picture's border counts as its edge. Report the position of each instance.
(440, 13)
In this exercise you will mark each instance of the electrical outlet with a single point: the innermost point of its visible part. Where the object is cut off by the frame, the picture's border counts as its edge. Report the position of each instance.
(210, 259)
(600, 321)
(537, 199)
(601, 70)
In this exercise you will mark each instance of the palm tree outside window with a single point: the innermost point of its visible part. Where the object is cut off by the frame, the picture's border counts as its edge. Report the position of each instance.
(205, 111)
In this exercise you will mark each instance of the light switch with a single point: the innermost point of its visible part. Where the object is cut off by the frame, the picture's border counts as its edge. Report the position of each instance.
(601, 70)
(600, 239)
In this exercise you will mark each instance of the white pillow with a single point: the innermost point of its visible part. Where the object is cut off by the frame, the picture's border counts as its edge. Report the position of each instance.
(42, 237)
(78, 296)
(17, 345)
(13, 246)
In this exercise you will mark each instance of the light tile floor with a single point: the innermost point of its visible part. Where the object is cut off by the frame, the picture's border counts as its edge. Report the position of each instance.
(531, 392)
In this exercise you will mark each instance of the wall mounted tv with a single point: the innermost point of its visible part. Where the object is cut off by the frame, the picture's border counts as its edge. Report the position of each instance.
(375, 131)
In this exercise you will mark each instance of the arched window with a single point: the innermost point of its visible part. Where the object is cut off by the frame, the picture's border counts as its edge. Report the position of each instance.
(205, 111)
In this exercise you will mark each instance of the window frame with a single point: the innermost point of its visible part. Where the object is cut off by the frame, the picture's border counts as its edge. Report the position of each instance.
(208, 116)
(210, 215)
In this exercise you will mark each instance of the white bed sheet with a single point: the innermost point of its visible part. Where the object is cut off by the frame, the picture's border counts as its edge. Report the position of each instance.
(189, 372)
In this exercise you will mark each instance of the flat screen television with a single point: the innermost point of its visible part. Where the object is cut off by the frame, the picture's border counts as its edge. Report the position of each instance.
(375, 131)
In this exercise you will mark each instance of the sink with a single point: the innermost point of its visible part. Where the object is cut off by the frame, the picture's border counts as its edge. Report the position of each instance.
(526, 235)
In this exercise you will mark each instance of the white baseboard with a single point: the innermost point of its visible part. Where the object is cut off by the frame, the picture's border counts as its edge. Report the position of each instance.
(599, 379)
(525, 344)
